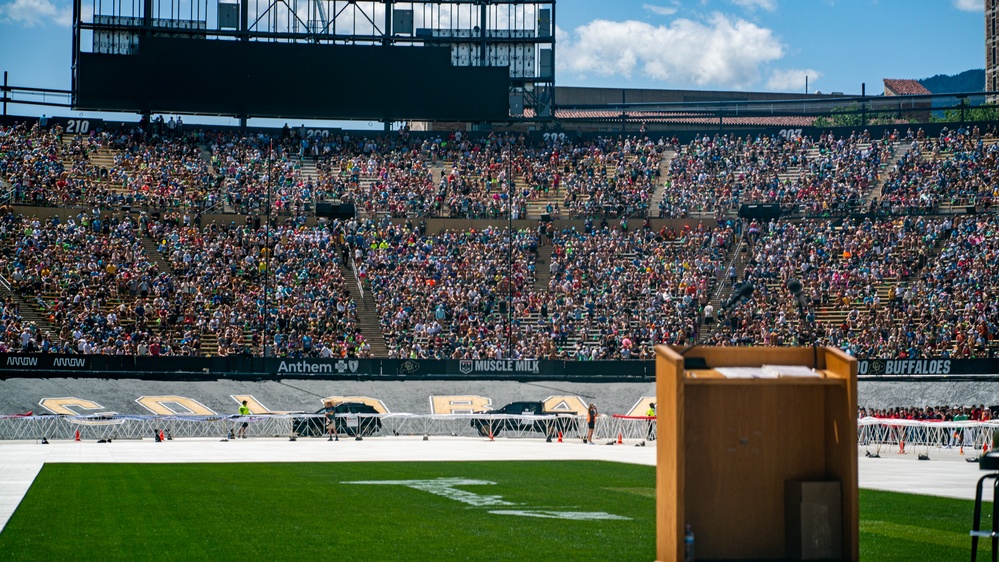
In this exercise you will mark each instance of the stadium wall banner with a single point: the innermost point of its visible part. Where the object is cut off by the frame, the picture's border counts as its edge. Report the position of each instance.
(271, 368)
(14, 365)
(886, 368)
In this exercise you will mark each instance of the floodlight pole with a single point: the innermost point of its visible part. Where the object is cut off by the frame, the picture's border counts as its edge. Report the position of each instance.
(267, 242)
(509, 281)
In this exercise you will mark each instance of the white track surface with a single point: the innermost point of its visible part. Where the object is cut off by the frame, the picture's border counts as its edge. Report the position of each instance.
(20, 461)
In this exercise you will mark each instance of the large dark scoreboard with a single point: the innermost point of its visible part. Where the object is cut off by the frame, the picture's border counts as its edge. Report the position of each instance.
(290, 80)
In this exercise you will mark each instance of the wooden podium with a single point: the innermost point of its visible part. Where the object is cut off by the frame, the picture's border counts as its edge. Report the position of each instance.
(727, 446)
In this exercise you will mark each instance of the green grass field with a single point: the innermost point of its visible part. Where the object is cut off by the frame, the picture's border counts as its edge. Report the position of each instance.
(299, 511)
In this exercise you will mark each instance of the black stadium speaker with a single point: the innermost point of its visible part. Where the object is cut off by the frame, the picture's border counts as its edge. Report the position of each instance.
(336, 210)
(347, 211)
(546, 217)
(325, 209)
(762, 211)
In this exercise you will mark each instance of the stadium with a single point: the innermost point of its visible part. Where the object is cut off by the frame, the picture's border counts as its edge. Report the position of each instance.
(446, 339)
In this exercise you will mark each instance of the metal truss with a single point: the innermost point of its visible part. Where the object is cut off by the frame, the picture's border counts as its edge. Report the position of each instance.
(518, 34)
(911, 436)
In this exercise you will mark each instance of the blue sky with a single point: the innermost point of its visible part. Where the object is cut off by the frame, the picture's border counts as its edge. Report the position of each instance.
(757, 45)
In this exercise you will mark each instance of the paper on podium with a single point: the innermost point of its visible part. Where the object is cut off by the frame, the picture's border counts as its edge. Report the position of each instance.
(792, 371)
(745, 373)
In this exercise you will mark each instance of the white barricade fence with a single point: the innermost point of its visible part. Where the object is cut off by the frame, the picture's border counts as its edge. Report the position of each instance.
(918, 436)
(875, 434)
(118, 426)
(634, 428)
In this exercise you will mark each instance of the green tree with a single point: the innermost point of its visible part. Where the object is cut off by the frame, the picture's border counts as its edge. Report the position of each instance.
(987, 112)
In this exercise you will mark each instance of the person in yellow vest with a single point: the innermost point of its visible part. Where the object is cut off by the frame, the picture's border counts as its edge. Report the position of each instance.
(244, 410)
(651, 413)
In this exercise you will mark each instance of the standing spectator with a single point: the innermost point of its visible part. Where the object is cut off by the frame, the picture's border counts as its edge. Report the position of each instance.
(591, 423)
(651, 413)
(331, 421)
(244, 410)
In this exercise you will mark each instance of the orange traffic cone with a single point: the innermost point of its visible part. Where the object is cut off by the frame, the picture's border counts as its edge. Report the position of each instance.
(162, 437)
(77, 435)
(560, 437)
(491, 434)
(620, 438)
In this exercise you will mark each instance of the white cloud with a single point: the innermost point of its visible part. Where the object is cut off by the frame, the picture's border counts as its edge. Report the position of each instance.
(768, 5)
(35, 12)
(720, 51)
(792, 80)
(969, 5)
(660, 10)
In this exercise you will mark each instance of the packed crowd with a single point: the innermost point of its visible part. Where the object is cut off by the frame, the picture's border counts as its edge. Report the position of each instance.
(904, 287)
(628, 290)
(819, 176)
(907, 287)
(910, 287)
(612, 292)
(955, 169)
(929, 413)
(89, 275)
(236, 279)
(447, 295)
(840, 265)
(213, 171)
(102, 294)
(949, 307)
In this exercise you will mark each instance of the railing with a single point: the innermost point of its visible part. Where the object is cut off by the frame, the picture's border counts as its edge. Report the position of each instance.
(735, 258)
(118, 426)
(880, 435)
(357, 278)
(875, 435)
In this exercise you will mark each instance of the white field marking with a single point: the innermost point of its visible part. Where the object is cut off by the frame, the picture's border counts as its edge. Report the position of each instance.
(445, 487)
(573, 515)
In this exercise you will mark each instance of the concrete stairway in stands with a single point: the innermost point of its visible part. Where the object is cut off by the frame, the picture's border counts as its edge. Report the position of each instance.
(31, 311)
(542, 271)
(660, 192)
(308, 170)
(154, 255)
(367, 314)
(875, 194)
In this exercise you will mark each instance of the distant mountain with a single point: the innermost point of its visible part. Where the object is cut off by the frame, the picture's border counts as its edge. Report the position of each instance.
(967, 81)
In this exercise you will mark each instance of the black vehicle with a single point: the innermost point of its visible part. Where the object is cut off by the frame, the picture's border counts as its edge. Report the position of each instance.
(348, 422)
(534, 418)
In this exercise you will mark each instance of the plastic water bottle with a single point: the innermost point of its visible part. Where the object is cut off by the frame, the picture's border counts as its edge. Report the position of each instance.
(688, 545)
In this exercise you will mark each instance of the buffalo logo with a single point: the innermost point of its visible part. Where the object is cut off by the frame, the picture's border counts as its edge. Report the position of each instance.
(465, 366)
(409, 367)
(877, 367)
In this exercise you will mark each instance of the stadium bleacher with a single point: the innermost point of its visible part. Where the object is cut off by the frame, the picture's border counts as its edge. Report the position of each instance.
(162, 245)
